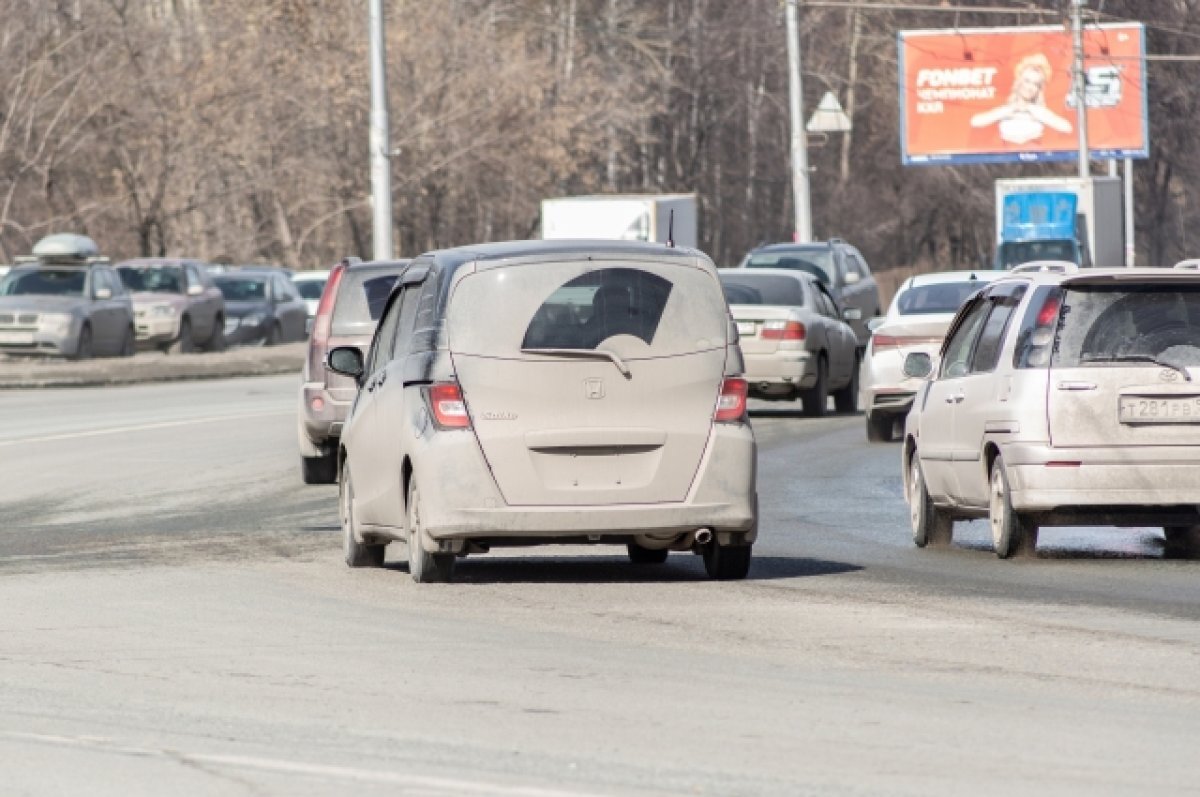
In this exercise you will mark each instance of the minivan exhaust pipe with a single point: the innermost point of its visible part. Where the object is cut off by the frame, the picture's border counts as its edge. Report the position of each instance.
(704, 536)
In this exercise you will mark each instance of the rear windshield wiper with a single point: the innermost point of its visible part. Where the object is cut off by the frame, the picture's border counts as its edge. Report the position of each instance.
(603, 354)
(1138, 358)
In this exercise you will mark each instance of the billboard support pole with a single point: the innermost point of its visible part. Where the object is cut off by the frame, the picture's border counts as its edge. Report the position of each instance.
(802, 231)
(1130, 251)
(1080, 86)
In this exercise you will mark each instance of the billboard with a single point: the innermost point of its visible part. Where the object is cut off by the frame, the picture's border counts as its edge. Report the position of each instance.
(1003, 95)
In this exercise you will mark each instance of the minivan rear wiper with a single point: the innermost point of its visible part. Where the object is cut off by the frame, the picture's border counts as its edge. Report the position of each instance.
(589, 353)
(1138, 358)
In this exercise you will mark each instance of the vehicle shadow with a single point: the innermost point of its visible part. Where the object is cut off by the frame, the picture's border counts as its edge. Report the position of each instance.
(680, 567)
(797, 412)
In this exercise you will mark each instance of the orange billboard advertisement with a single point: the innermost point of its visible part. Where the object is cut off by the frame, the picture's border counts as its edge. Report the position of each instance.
(999, 95)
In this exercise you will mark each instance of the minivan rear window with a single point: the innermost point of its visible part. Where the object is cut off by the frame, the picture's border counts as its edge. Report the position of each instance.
(1129, 324)
(361, 297)
(767, 289)
(593, 307)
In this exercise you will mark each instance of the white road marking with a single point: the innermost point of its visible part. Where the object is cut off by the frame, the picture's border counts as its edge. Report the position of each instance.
(435, 785)
(143, 427)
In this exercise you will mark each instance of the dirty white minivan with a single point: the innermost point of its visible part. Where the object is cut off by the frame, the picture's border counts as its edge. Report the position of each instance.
(550, 392)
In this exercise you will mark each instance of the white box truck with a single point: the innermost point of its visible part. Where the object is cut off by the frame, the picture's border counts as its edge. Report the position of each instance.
(626, 217)
(1057, 218)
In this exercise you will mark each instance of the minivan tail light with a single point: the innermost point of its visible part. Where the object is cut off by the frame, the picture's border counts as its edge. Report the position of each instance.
(731, 403)
(783, 330)
(1049, 312)
(448, 406)
(323, 321)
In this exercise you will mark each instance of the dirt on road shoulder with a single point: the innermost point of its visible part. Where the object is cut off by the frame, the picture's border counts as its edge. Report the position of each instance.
(27, 373)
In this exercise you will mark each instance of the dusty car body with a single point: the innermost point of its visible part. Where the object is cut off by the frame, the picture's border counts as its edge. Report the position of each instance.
(176, 305)
(549, 392)
(794, 338)
(261, 307)
(349, 308)
(1062, 397)
(916, 321)
(67, 302)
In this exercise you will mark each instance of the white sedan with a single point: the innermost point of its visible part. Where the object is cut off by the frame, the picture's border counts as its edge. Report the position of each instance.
(917, 321)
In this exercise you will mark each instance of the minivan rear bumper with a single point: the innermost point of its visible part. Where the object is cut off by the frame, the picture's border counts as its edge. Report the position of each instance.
(460, 500)
(1042, 478)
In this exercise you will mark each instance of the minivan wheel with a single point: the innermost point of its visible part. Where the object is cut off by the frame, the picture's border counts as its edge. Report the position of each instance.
(319, 470)
(184, 343)
(357, 554)
(129, 344)
(216, 341)
(727, 562)
(846, 399)
(1011, 533)
(83, 349)
(930, 525)
(646, 556)
(1183, 542)
(423, 566)
(816, 398)
(879, 427)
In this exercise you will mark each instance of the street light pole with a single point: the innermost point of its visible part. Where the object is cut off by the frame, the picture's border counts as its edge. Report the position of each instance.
(1080, 87)
(381, 170)
(800, 194)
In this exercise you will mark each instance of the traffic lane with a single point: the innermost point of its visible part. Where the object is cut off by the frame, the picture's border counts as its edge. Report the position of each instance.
(826, 493)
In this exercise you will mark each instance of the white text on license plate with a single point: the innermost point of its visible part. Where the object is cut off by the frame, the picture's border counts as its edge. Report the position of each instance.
(746, 328)
(15, 336)
(1160, 409)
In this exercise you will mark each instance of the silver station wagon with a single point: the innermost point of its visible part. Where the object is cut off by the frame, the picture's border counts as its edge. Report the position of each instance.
(550, 392)
(1063, 397)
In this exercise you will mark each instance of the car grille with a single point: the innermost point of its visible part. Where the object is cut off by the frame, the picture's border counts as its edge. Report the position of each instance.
(22, 319)
(139, 314)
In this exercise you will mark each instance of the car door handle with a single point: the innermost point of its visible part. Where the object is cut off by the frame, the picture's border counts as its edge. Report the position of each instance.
(1077, 385)
(957, 398)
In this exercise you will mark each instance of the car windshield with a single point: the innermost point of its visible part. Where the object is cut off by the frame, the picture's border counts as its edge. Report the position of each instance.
(1014, 253)
(942, 297)
(818, 262)
(769, 289)
(310, 288)
(1128, 325)
(45, 282)
(242, 289)
(360, 300)
(158, 279)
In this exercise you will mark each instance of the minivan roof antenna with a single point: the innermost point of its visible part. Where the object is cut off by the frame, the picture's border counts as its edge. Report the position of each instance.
(671, 229)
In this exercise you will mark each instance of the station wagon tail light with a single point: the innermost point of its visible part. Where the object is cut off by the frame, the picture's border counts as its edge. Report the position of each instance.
(323, 323)
(783, 330)
(1049, 312)
(731, 403)
(448, 406)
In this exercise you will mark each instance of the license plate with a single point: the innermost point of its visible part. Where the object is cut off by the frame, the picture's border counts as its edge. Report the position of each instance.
(746, 328)
(1160, 409)
(16, 336)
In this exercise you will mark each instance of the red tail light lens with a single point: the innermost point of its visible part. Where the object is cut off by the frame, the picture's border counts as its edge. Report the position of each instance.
(731, 404)
(1048, 315)
(885, 341)
(323, 322)
(448, 406)
(783, 330)
(896, 341)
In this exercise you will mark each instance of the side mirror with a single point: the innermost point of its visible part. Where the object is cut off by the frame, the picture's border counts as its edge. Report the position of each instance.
(875, 323)
(918, 365)
(851, 277)
(103, 293)
(852, 314)
(195, 290)
(347, 361)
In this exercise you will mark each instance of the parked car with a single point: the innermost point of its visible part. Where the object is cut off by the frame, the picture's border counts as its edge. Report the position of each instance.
(261, 307)
(347, 313)
(1063, 397)
(310, 284)
(550, 392)
(67, 301)
(839, 266)
(794, 337)
(916, 321)
(176, 305)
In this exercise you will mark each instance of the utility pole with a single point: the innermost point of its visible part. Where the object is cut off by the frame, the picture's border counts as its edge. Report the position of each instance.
(802, 231)
(1080, 76)
(381, 168)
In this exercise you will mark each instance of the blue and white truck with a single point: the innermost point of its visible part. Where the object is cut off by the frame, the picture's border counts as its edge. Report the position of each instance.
(1059, 218)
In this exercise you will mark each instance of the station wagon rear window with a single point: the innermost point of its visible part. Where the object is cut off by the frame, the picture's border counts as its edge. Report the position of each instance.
(768, 289)
(361, 297)
(1104, 324)
(944, 297)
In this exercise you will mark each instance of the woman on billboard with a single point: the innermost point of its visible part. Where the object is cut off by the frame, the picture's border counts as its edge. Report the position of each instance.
(1023, 118)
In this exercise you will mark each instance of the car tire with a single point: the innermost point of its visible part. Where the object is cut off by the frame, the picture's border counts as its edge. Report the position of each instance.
(846, 399)
(816, 398)
(216, 341)
(1182, 542)
(357, 554)
(319, 470)
(646, 556)
(930, 525)
(129, 345)
(879, 427)
(184, 343)
(1011, 532)
(274, 335)
(423, 566)
(727, 562)
(83, 348)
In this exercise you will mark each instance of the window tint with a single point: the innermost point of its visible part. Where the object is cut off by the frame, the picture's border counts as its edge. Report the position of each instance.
(818, 262)
(945, 297)
(860, 264)
(762, 289)
(45, 281)
(157, 278)
(242, 289)
(404, 328)
(958, 348)
(987, 351)
(1129, 324)
(310, 288)
(385, 337)
(590, 309)
(193, 278)
(361, 297)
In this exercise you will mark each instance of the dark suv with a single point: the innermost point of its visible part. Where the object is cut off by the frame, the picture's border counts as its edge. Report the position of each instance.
(839, 266)
(347, 313)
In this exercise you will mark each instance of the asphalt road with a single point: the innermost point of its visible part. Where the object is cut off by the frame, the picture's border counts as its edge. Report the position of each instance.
(174, 614)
